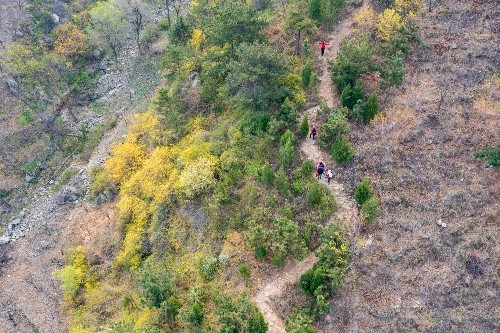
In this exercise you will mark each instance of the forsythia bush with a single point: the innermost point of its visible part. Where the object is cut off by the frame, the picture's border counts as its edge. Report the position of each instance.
(143, 135)
(72, 276)
(196, 38)
(70, 40)
(198, 177)
(389, 24)
(365, 19)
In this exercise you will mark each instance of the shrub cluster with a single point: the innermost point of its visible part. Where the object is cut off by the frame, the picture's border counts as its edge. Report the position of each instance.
(369, 201)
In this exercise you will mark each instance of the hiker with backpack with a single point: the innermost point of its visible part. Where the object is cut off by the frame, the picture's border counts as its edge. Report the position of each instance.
(323, 45)
(313, 132)
(320, 169)
(329, 176)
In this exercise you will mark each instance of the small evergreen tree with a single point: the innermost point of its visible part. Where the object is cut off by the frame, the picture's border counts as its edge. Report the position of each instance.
(370, 209)
(245, 272)
(306, 49)
(287, 113)
(287, 149)
(307, 168)
(393, 72)
(267, 175)
(314, 195)
(341, 150)
(315, 9)
(491, 154)
(304, 127)
(357, 93)
(363, 192)
(306, 74)
(358, 111)
(371, 108)
(346, 97)
(337, 125)
(180, 32)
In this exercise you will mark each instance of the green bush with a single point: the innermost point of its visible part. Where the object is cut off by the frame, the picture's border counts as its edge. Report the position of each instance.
(256, 238)
(307, 168)
(150, 34)
(279, 259)
(314, 195)
(371, 108)
(304, 127)
(286, 240)
(260, 252)
(312, 279)
(346, 97)
(363, 192)
(287, 113)
(208, 267)
(245, 272)
(239, 315)
(299, 322)
(257, 323)
(298, 187)
(357, 92)
(315, 9)
(337, 125)
(282, 183)
(358, 112)
(342, 151)
(71, 278)
(156, 285)
(491, 154)
(163, 24)
(370, 209)
(354, 58)
(286, 151)
(169, 310)
(267, 175)
(393, 72)
(101, 181)
(181, 32)
(306, 49)
(306, 74)
(196, 313)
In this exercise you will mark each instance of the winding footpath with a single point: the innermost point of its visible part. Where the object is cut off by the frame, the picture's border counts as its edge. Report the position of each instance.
(346, 207)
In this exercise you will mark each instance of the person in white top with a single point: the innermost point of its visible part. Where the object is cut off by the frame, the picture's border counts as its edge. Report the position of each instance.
(329, 176)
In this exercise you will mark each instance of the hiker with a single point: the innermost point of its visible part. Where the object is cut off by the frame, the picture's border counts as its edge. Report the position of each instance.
(329, 176)
(320, 168)
(313, 133)
(323, 46)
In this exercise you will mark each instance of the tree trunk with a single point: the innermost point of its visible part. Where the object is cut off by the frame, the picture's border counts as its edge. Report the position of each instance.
(177, 11)
(298, 42)
(167, 7)
(430, 6)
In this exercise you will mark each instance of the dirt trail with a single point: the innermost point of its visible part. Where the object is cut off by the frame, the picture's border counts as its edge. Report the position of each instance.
(346, 208)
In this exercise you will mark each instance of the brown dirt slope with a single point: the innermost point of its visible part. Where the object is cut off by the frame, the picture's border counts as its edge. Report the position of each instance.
(430, 264)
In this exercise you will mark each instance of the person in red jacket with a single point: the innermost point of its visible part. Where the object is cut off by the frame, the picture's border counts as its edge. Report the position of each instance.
(323, 46)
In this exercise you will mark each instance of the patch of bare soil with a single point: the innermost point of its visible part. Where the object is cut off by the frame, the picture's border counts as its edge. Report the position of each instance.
(430, 263)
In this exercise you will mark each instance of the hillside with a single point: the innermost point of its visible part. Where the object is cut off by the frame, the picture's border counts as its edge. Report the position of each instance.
(183, 198)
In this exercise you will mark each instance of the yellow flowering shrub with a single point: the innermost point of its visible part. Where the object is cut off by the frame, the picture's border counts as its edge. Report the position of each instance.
(407, 8)
(126, 159)
(198, 177)
(70, 40)
(389, 24)
(196, 38)
(365, 19)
